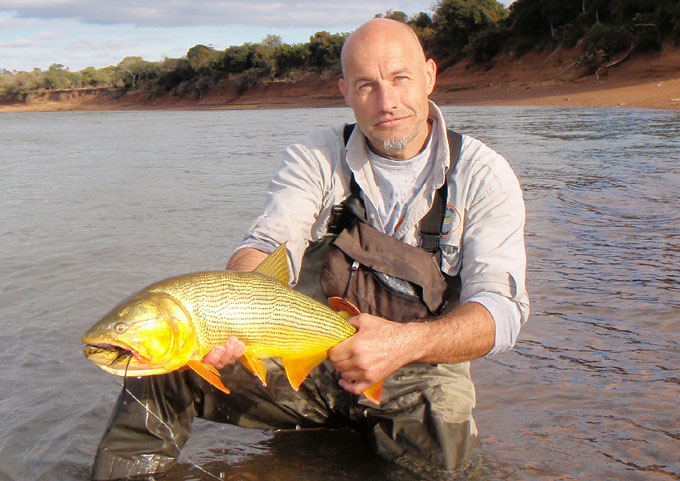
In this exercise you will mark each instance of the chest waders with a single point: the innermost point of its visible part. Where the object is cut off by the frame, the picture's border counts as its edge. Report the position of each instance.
(424, 421)
(389, 278)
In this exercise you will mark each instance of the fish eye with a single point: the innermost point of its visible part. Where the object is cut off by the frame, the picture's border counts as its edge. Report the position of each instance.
(120, 327)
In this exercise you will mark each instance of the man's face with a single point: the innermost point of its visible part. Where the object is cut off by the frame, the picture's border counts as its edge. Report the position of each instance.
(386, 83)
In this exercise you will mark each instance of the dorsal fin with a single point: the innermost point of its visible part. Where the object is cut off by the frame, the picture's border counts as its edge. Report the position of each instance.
(276, 265)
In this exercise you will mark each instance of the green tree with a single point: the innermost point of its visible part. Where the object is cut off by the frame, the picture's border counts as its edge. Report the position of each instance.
(559, 14)
(92, 77)
(18, 85)
(289, 57)
(422, 24)
(203, 59)
(264, 58)
(526, 19)
(397, 15)
(58, 77)
(421, 20)
(532, 23)
(324, 49)
(88, 76)
(272, 41)
(174, 72)
(456, 21)
(238, 59)
(131, 70)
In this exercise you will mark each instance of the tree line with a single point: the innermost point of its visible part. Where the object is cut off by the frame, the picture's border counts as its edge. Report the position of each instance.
(478, 29)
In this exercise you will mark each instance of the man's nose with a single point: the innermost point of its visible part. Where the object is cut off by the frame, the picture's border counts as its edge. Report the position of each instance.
(387, 98)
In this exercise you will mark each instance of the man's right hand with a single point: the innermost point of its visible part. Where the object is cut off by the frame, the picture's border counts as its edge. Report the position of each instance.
(225, 354)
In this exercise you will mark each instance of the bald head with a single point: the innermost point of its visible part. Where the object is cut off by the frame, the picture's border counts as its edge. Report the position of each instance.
(387, 80)
(378, 32)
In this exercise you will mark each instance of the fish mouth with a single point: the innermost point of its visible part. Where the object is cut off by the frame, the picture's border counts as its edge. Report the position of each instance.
(105, 347)
(121, 360)
(110, 355)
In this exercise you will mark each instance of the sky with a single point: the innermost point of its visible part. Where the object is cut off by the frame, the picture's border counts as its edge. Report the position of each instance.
(98, 33)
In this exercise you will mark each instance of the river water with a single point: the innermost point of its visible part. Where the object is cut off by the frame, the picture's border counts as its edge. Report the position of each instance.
(94, 206)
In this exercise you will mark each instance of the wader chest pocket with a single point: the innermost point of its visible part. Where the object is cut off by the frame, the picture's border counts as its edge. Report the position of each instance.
(383, 276)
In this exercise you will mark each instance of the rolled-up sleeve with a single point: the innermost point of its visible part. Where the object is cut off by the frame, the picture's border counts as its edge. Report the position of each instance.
(294, 198)
(492, 246)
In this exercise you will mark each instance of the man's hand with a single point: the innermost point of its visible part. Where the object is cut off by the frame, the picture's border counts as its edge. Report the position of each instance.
(224, 355)
(379, 348)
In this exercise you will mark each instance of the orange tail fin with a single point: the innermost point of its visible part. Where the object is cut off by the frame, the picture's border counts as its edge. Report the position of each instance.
(347, 309)
(374, 392)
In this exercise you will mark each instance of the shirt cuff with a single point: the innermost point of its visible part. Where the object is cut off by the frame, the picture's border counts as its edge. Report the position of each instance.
(259, 244)
(506, 317)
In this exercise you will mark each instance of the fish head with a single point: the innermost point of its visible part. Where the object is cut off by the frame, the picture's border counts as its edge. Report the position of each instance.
(149, 333)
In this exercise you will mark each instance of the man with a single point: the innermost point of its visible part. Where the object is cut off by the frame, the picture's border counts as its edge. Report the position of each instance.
(468, 286)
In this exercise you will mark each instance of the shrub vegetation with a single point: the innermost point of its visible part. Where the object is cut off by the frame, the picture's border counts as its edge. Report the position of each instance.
(478, 29)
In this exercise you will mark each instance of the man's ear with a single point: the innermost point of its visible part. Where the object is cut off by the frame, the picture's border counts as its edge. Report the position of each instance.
(344, 89)
(430, 75)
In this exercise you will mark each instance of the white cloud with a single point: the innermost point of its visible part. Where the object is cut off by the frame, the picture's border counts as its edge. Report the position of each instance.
(81, 33)
(175, 13)
(23, 43)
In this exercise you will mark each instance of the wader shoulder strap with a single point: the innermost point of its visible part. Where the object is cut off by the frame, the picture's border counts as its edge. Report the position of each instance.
(430, 226)
(347, 133)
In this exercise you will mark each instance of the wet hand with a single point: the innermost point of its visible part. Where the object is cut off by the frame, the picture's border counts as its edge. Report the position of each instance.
(224, 355)
(379, 348)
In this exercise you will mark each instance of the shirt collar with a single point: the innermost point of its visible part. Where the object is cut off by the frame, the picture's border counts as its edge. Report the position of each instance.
(357, 159)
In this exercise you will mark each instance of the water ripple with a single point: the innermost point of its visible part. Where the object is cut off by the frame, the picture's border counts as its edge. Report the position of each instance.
(589, 392)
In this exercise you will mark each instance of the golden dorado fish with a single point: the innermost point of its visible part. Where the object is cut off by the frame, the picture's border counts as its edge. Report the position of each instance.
(175, 322)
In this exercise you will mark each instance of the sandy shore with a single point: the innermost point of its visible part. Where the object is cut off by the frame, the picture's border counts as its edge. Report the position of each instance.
(651, 81)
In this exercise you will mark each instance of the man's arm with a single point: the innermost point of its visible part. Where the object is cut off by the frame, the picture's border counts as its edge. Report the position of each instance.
(380, 347)
(245, 259)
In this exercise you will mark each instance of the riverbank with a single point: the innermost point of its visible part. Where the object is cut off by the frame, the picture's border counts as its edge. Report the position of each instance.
(555, 79)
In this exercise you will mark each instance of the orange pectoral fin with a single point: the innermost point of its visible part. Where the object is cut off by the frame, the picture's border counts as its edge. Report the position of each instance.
(343, 307)
(298, 369)
(256, 366)
(374, 392)
(209, 373)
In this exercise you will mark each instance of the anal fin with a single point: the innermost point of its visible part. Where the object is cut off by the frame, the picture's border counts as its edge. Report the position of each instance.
(209, 373)
(255, 365)
(298, 369)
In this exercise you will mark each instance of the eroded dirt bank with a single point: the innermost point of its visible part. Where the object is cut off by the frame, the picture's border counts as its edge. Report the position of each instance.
(649, 81)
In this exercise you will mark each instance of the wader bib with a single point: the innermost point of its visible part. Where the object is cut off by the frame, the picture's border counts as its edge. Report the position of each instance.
(379, 274)
(424, 421)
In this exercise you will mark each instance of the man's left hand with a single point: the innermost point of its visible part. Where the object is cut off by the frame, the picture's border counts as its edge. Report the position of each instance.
(378, 348)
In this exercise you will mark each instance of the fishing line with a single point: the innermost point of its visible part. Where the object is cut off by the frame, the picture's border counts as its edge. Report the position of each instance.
(164, 424)
(125, 375)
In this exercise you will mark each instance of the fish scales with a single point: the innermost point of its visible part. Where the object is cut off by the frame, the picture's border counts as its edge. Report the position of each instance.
(175, 322)
(221, 306)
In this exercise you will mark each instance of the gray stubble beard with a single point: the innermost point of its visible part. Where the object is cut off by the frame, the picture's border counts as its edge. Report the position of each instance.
(395, 145)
